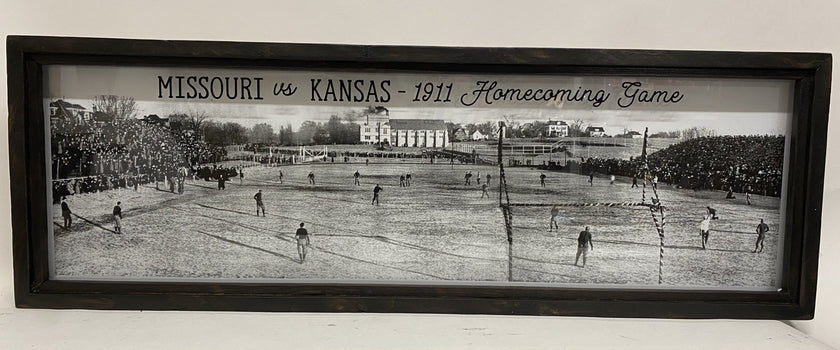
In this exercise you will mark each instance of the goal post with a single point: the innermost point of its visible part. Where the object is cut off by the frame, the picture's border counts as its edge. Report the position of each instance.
(655, 206)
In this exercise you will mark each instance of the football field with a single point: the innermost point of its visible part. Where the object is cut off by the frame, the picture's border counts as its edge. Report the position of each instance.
(437, 229)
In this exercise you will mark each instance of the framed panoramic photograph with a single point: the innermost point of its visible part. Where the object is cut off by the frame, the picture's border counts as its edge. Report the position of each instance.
(183, 175)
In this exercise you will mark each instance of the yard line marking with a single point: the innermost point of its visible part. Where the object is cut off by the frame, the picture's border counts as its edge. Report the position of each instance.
(359, 235)
(248, 246)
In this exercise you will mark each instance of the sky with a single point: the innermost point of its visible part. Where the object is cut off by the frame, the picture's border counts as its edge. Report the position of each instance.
(614, 122)
(729, 106)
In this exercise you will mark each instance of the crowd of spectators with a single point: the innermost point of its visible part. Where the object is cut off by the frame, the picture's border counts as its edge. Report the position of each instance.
(741, 163)
(216, 172)
(274, 155)
(91, 156)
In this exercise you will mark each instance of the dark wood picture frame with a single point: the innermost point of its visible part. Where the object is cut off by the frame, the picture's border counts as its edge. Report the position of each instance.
(34, 289)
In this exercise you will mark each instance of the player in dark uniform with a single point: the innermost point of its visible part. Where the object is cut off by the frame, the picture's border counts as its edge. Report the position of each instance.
(280, 176)
(484, 191)
(408, 180)
(302, 237)
(542, 180)
(356, 176)
(478, 178)
(591, 176)
(729, 194)
(467, 177)
(260, 205)
(117, 218)
(241, 175)
(584, 240)
(761, 230)
(65, 213)
(311, 178)
(402, 180)
(635, 182)
(488, 179)
(712, 213)
(376, 191)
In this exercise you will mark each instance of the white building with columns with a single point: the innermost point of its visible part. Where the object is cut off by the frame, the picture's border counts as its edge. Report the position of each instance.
(419, 133)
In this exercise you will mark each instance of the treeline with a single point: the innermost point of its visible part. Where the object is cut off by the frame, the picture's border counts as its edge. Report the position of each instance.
(686, 134)
(335, 130)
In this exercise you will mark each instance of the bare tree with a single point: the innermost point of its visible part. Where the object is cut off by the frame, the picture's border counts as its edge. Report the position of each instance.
(576, 128)
(116, 107)
(696, 132)
(513, 128)
(196, 120)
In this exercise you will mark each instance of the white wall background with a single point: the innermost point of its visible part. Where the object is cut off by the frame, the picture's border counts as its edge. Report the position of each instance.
(749, 25)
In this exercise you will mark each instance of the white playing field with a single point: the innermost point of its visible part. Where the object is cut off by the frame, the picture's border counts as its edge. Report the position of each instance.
(438, 229)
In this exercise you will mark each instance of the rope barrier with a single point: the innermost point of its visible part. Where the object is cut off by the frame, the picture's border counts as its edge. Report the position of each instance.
(602, 204)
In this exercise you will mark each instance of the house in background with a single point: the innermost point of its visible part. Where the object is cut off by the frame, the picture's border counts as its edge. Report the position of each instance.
(461, 135)
(154, 119)
(556, 128)
(376, 127)
(595, 131)
(478, 136)
(60, 109)
(632, 135)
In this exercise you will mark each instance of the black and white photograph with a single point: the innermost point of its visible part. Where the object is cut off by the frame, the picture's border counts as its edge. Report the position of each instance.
(180, 174)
